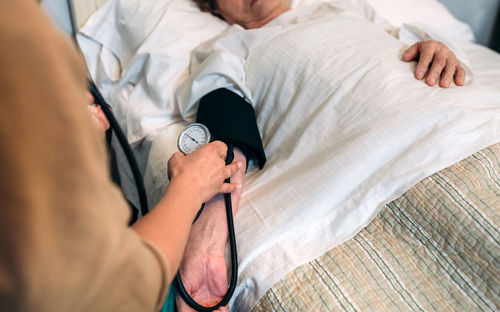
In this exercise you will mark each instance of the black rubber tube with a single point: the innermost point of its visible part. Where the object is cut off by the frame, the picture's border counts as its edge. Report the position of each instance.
(141, 190)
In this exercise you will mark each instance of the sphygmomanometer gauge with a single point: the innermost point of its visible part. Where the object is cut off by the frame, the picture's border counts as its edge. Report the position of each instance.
(193, 137)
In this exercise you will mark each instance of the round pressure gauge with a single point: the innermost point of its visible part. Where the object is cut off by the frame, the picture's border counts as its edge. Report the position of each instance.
(192, 138)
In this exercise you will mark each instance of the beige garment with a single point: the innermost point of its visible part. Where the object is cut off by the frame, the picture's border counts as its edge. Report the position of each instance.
(64, 243)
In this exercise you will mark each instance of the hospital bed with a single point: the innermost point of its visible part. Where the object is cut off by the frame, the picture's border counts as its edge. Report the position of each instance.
(430, 242)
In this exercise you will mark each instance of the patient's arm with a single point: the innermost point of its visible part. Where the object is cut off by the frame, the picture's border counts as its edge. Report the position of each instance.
(437, 62)
(203, 269)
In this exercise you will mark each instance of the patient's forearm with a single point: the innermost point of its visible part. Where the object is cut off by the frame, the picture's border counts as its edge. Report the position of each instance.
(203, 268)
(210, 231)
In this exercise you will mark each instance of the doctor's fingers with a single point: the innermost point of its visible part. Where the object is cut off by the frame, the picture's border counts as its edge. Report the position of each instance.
(172, 163)
(231, 169)
(219, 148)
(229, 188)
(99, 120)
(205, 164)
(102, 118)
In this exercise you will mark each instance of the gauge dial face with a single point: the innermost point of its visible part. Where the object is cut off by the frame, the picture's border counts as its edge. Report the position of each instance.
(192, 138)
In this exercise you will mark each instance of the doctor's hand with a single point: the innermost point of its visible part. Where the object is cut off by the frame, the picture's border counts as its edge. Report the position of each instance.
(99, 119)
(437, 62)
(203, 172)
(97, 115)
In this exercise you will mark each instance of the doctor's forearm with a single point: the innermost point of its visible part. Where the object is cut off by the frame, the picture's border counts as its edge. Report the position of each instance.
(169, 223)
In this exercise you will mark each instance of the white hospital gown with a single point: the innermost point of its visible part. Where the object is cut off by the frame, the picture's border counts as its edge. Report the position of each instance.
(220, 63)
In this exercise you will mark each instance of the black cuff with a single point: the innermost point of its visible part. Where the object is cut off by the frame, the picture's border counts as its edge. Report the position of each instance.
(232, 119)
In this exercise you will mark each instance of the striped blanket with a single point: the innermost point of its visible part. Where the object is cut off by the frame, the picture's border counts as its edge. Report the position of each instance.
(436, 248)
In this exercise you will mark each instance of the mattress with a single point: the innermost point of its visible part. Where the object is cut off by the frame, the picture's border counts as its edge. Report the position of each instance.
(435, 248)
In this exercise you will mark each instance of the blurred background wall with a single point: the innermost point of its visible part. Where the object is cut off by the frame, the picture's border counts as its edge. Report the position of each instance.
(481, 15)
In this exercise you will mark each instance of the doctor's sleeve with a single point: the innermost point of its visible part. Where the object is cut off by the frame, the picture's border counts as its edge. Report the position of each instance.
(64, 240)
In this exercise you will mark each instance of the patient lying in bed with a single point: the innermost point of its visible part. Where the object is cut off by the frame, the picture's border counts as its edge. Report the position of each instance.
(203, 269)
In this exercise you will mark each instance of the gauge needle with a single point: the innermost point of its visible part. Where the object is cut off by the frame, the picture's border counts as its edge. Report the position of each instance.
(192, 139)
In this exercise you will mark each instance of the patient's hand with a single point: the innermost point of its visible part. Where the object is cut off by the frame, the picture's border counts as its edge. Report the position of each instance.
(203, 269)
(437, 61)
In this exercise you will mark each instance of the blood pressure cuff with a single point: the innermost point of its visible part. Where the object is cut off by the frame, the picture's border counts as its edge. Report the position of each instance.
(231, 119)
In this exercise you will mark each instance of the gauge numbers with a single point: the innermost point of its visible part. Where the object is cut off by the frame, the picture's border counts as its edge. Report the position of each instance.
(193, 137)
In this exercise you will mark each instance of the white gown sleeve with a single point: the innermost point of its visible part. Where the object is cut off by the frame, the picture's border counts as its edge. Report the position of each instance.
(217, 64)
(220, 63)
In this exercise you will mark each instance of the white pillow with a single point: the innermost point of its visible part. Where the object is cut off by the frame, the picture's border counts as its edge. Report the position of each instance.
(152, 42)
(426, 12)
(124, 26)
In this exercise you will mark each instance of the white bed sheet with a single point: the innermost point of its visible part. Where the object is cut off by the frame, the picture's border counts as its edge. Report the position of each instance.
(339, 146)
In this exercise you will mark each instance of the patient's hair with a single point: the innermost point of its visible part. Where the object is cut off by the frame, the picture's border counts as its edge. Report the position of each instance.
(206, 5)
